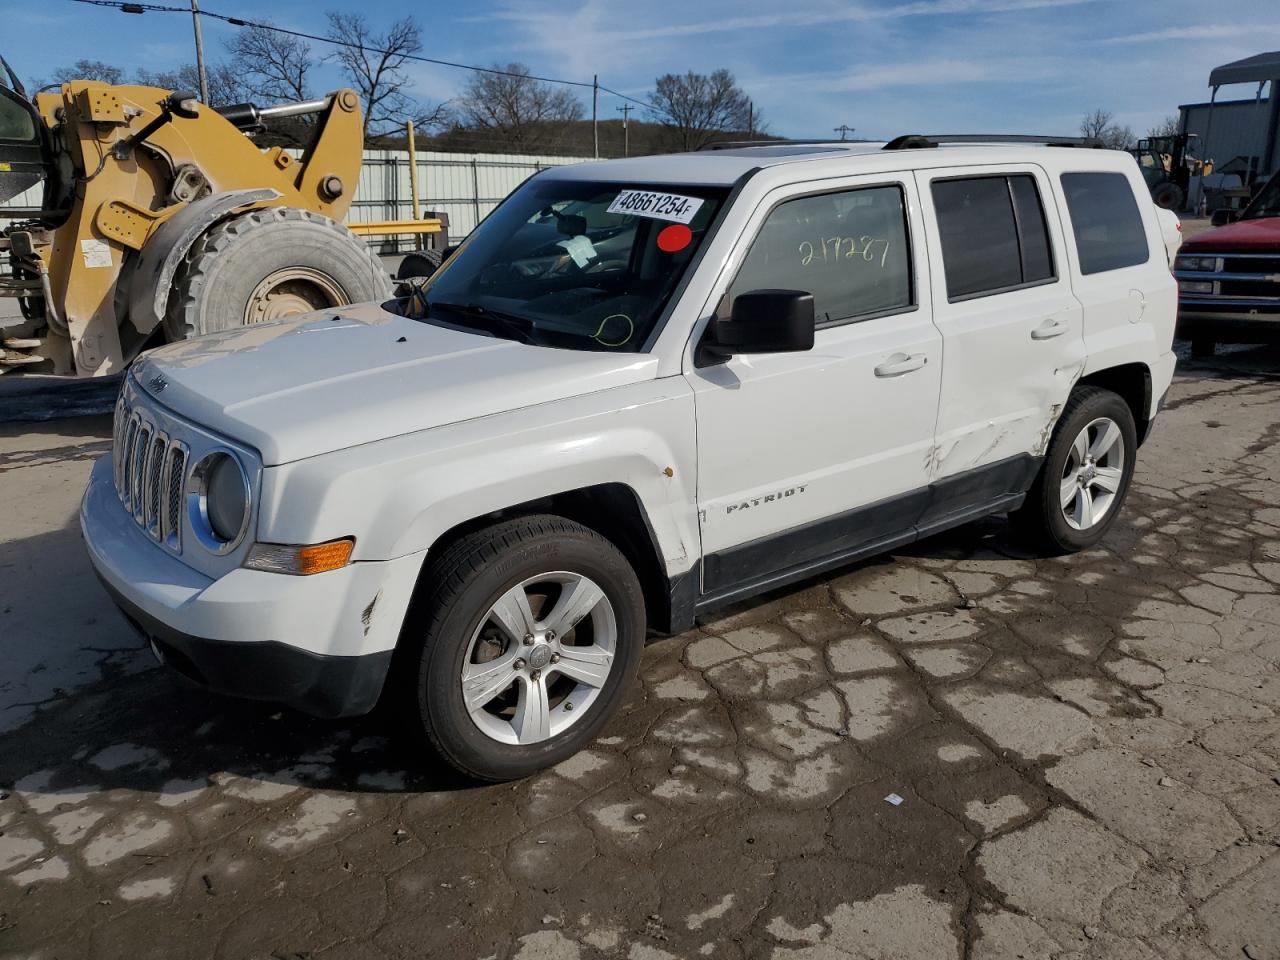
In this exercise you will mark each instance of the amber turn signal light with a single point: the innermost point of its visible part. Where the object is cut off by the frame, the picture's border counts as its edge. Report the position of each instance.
(300, 561)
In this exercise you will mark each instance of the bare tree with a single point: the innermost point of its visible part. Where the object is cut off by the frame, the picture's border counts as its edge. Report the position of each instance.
(529, 114)
(1099, 125)
(225, 85)
(1170, 126)
(88, 70)
(694, 107)
(374, 65)
(273, 66)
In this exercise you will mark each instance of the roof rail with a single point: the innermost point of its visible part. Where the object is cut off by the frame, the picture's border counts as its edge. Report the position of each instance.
(739, 144)
(915, 141)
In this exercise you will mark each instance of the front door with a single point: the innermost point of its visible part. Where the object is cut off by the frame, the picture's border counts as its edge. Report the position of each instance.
(794, 449)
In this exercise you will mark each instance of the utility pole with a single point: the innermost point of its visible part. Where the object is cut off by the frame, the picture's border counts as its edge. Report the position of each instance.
(844, 130)
(625, 109)
(204, 79)
(751, 120)
(595, 111)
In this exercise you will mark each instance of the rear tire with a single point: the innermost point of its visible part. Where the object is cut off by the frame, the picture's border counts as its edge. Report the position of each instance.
(420, 263)
(1168, 195)
(1203, 348)
(268, 264)
(1085, 476)
(486, 680)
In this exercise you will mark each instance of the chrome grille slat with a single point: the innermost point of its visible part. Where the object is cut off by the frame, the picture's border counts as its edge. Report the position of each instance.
(149, 471)
(175, 474)
(155, 464)
(138, 469)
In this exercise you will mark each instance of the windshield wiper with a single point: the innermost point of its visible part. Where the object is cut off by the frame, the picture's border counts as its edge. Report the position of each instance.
(491, 321)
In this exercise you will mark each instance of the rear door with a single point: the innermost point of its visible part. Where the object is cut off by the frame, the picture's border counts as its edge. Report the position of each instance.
(1011, 329)
(22, 160)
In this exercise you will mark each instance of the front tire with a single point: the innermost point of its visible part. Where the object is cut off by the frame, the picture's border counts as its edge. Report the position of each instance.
(521, 646)
(1086, 473)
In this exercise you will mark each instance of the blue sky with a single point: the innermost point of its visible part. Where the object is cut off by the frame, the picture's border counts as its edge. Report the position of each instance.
(1031, 66)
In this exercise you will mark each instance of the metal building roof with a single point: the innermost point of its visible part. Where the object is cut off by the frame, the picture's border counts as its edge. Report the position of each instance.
(1255, 69)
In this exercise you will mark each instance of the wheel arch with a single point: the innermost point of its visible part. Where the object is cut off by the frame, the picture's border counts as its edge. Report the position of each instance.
(1132, 382)
(616, 512)
(165, 249)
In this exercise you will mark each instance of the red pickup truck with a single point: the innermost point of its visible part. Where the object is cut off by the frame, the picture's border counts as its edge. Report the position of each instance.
(1229, 277)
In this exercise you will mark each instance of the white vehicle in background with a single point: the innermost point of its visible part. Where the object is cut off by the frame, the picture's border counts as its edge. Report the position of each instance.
(642, 389)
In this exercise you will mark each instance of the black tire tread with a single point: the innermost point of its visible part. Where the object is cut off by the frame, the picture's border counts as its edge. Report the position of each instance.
(1030, 517)
(181, 320)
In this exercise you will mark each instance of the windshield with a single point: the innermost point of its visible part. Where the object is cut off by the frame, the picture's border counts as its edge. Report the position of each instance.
(575, 264)
(1266, 203)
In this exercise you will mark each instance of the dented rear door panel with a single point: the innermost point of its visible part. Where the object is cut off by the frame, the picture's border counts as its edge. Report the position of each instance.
(1010, 358)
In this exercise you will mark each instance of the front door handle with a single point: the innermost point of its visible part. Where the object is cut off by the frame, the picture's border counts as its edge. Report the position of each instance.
(1049, 329)
(901, 363)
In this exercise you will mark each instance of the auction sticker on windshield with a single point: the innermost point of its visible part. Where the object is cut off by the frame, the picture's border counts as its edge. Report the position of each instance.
(660, 206)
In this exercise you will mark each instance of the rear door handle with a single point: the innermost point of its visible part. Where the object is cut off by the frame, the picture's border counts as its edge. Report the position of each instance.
(1049, 329)
(901, 363)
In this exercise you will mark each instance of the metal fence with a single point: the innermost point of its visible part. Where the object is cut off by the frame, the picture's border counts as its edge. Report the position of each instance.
(466, 186)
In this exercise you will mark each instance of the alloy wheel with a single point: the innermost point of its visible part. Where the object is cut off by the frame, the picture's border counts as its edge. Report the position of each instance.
(1093, 474)
(539, 658)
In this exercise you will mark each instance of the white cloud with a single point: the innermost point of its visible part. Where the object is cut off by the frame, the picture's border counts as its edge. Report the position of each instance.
(1200, 32)
(555, 23)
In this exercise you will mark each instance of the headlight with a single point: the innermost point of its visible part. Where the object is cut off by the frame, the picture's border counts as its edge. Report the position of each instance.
(1195, 263)
(218, 501)
(1195, 286)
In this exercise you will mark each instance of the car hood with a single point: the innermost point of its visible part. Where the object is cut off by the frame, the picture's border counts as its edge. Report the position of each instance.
(306, 385)
(1244, 236)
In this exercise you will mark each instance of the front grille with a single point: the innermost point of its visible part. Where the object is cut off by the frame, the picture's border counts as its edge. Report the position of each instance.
(1242, 276)
(1255, 263)
(150, 471)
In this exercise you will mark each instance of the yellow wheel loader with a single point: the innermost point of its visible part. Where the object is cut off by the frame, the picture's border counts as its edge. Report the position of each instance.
(160, 219)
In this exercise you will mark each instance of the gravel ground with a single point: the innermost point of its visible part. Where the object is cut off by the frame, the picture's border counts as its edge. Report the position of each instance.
(1087, 752)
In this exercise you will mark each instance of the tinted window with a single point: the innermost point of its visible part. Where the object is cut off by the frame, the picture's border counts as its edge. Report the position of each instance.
(848, 249)
(15, 120)
(1037, 260)
(993, 234)
(1106, 221)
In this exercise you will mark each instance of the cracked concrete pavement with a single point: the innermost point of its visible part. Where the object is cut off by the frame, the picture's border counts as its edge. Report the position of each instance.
(1086, 751)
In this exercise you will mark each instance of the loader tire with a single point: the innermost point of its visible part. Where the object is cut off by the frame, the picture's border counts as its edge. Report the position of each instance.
(1168, 196)
(268, 264)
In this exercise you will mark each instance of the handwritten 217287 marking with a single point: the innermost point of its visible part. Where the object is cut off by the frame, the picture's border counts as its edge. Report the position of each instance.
(833, 249)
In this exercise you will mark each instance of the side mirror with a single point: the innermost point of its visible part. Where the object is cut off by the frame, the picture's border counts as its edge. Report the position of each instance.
(1222, 217)
(763, 321)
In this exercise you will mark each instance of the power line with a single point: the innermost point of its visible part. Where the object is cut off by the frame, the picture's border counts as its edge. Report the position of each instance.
(128, 7)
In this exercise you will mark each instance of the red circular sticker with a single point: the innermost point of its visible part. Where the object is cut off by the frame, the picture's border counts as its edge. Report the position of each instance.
(674, 238)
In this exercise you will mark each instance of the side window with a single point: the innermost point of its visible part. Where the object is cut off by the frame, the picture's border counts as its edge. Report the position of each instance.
(994, 236)
(1106, 221)
(849, 249)
(15, 119)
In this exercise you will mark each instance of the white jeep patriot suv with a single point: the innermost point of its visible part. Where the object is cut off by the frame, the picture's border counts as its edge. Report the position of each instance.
(640, 390)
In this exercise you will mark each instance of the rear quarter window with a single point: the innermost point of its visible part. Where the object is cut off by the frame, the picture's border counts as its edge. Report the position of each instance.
(1106, 221)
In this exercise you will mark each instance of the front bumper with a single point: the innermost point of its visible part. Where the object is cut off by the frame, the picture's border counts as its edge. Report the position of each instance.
(1227, 322)
(321, 643)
